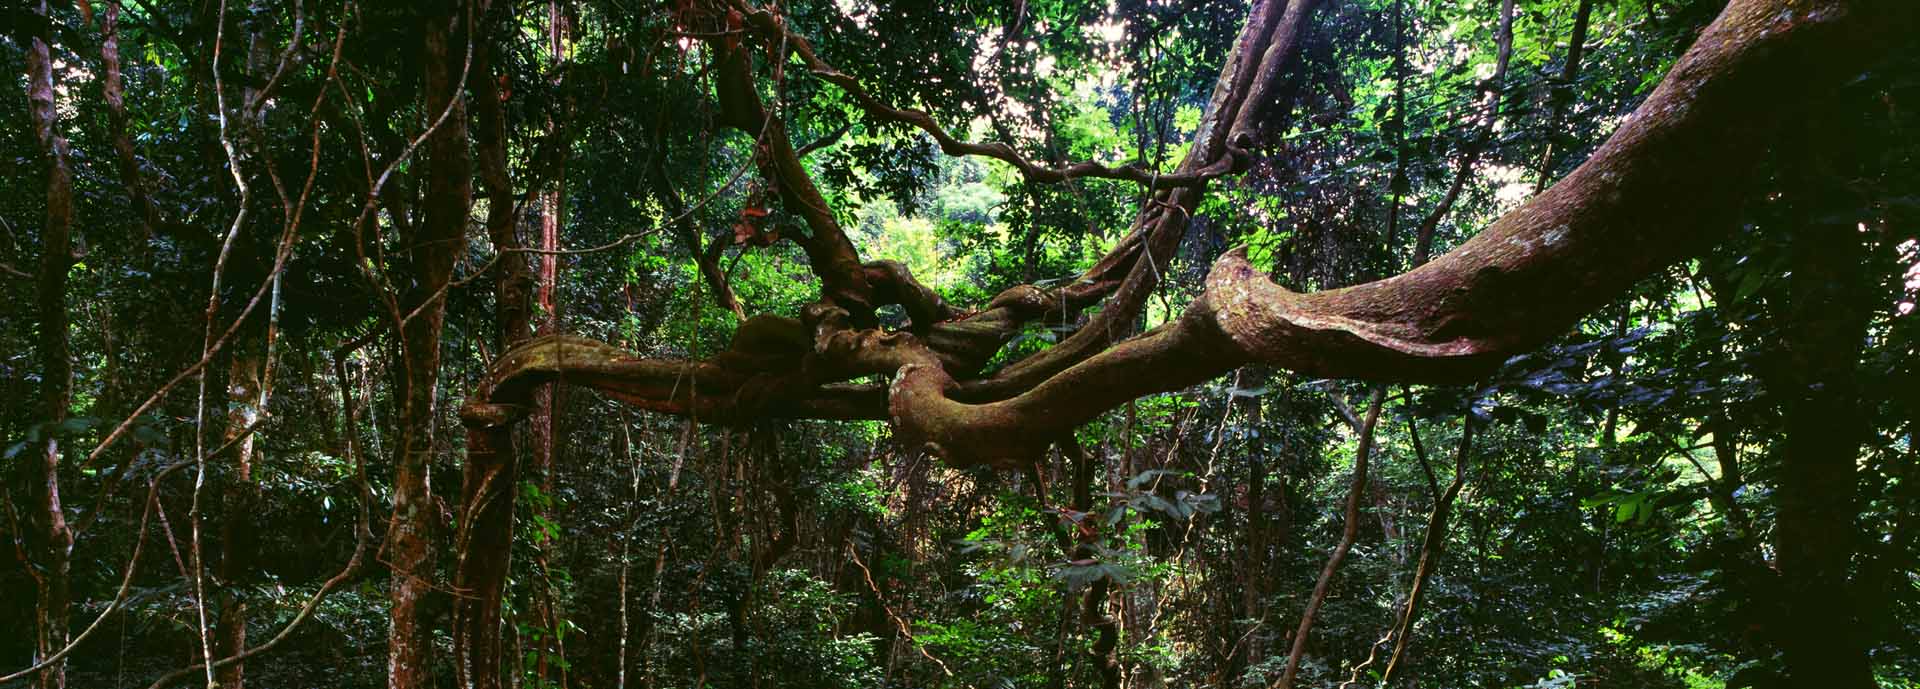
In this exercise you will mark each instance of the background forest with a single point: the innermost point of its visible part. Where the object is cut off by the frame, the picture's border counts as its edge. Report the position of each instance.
(257, 257)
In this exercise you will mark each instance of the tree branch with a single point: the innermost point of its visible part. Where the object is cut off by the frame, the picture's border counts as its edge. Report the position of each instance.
(1661, 189)
(831, 255)
(766, 22)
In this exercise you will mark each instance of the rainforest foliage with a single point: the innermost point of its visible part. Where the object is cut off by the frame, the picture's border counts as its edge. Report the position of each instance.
(1020, 343)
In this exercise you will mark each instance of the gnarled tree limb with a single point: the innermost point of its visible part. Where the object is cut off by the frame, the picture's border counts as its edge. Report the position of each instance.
(1662, 188)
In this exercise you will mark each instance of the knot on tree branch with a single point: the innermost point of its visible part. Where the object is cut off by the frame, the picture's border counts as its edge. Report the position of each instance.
(478, 414)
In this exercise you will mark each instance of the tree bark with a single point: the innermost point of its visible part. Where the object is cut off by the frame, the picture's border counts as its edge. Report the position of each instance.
(1268, 43)
(247, 396)
(432, 249)
(483, 543)
(1658, 191)
(49, 540)
(831, 254)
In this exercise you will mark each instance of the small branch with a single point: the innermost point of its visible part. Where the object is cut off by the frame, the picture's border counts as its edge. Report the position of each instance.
(829, 139)
(1348, 535)
(1420, 453)
(1431, 547)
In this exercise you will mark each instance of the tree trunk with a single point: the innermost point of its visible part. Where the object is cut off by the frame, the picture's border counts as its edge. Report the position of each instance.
(432, 249)
(482, 552)
(115, 95)
(483, 543)
(247, 396)
(1253, 578)
(1094, 602)
(547, 398)
(49, 540)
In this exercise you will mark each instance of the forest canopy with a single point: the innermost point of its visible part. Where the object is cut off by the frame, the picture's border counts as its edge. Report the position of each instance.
(1035, 343)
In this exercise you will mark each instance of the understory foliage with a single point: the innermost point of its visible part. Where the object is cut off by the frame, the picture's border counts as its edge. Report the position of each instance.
(231, 456)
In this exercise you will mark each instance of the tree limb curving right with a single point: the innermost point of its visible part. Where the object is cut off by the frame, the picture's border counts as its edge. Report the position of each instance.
(1664, 187)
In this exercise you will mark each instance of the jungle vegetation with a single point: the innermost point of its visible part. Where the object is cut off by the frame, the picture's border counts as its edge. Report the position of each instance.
(1009, 343)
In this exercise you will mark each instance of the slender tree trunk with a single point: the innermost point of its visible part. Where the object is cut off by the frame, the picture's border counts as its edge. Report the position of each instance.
(1437, 522)
(1399, 184)
(1423, 237)
(1030, 243)
(651, 631)
(1106, 634)
(484, 542)
(706, 257)
(1721, 489)
(433, 248)
(1602, 520)
(247, 395)
(1355, 491)
(544, 424)
(1253, 579)
(1080, 491)
(50, 541)
(1431, 548)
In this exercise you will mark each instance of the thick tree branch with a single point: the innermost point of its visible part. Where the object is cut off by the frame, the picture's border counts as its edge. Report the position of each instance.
(831, 254)
(1269, 41)
(1662, 188)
